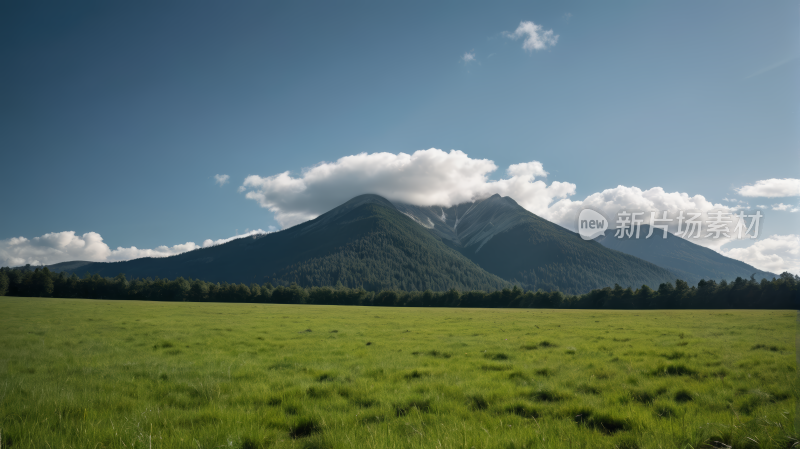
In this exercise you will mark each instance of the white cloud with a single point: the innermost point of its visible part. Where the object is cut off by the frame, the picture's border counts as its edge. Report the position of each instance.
(777, 253)
(209, 242)
(55, 246)
(221, 179)
(535, 37)
(633, 199)
(133, 252)
(66, 246)
(772, 188)
(468, 56)
(761, 206)
(426, 177)
(785, 207)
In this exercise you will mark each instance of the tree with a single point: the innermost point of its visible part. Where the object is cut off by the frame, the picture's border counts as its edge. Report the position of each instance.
(386, 298)
(179, 289)
(198, 291)
(41, 283)
(121, 286)
(3, 283)
(644, 296)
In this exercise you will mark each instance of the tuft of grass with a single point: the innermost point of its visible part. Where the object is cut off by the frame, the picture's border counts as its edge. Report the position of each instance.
(587, 389)
(303, 428)
(326, 377)
(404, 408)
(477, 402)
(601, 422)
(548, 396)
(496, 356)
(674, 355)
(665, 411)
(772, 348)
(682, 396)
(317, 393)
(496, 367)
(643, 396)
(674, 370)
(523, 410)
(416, 374)
(249, 443)
(626, 441)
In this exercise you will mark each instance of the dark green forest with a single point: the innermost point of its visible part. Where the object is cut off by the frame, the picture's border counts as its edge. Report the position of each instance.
(782, 292)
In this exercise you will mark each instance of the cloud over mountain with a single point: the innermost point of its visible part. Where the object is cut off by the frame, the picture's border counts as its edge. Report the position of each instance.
(427, 177)
(437, 178)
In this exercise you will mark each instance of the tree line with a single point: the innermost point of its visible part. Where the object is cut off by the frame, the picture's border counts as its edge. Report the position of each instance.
(782, 292)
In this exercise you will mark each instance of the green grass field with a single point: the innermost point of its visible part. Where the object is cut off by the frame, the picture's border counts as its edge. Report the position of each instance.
(126, 374)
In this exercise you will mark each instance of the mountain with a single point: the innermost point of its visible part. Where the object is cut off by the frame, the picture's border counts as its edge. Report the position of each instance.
(71, 266)
(689, 261)
(507, 240)
(364, 242)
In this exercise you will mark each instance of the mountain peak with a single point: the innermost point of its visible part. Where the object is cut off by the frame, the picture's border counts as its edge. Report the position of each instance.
(355, 202)
(367, 198)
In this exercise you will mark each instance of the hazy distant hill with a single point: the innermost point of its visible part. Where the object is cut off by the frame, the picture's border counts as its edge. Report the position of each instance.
(364, 242)
(689, 261)
(507, 240)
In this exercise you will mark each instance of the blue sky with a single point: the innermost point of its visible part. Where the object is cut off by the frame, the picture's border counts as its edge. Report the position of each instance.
(115, 117)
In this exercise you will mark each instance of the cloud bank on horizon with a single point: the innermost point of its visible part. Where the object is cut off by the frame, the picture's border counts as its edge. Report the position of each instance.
(67, 246)
(777, 253)
(427, 177)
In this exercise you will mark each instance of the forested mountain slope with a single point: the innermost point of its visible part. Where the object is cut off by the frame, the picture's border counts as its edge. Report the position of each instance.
(507, 240)
(689, 261)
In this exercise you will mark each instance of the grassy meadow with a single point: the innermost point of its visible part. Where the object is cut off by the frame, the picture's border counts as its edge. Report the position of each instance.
(130, 374)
